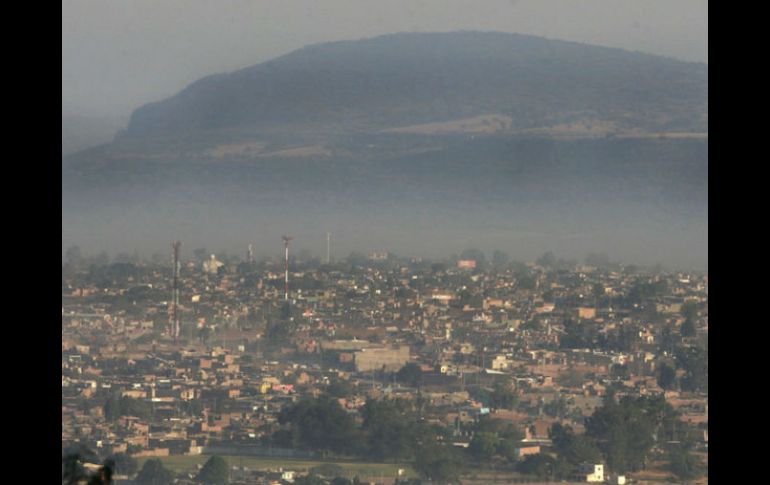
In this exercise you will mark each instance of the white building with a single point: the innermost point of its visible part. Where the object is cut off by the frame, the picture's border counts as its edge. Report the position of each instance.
(288, 476)
(592, 473)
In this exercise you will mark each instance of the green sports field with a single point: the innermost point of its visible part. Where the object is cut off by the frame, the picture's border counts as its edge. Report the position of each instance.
(185, 463)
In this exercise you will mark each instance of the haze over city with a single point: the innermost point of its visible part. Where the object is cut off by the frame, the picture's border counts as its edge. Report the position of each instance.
(404, 242)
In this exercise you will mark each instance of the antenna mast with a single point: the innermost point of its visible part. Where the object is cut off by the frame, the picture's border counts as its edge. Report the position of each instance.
(175, 246)
(286, 240)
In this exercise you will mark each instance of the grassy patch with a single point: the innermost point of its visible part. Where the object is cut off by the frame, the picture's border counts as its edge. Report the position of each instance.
(185, 464)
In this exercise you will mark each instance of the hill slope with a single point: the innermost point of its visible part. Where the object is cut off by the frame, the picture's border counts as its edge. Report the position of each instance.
(416, 143)
(411, 79)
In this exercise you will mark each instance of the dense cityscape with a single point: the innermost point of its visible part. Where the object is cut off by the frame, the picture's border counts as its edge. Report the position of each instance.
(380, 369)
(384, 243)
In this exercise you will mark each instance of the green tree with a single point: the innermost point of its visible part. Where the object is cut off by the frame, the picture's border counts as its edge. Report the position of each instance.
(690, 310)
(410, 374)
(573, 448)
(340, 388)
(103, 476)
(598, 292)
(124, 464)
(506, 449)
(694, 361)
(392, 429)
(154, 473)
(135, 407)
(625, 430)
(285, 311)
(483, 446)
(557, 407)
(570, 378)
(642, 290)
(73, 458)
(684, 464)
(205, 334)
(487, 424)
(214, 472)
(668, 340)
(112, 407)
(525, 281)
(511, 433)
(115, 407)
(74, 472)
(438, 462)
(540, 465)
(666, 376)
(309, 479)
(619, 371)
(688, 328)
(503, 395)
(321, 424)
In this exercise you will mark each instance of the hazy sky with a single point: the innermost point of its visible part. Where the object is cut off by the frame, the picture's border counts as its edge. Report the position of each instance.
(120, 54)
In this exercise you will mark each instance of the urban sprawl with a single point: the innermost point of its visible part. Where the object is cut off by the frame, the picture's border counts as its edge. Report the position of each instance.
(379, 369)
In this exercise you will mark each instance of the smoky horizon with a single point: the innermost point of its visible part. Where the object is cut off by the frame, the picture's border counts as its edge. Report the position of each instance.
(400, 242)
(417, 128)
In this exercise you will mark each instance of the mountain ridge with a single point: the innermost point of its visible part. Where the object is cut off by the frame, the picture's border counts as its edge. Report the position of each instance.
(415, 143)
(405, 79)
